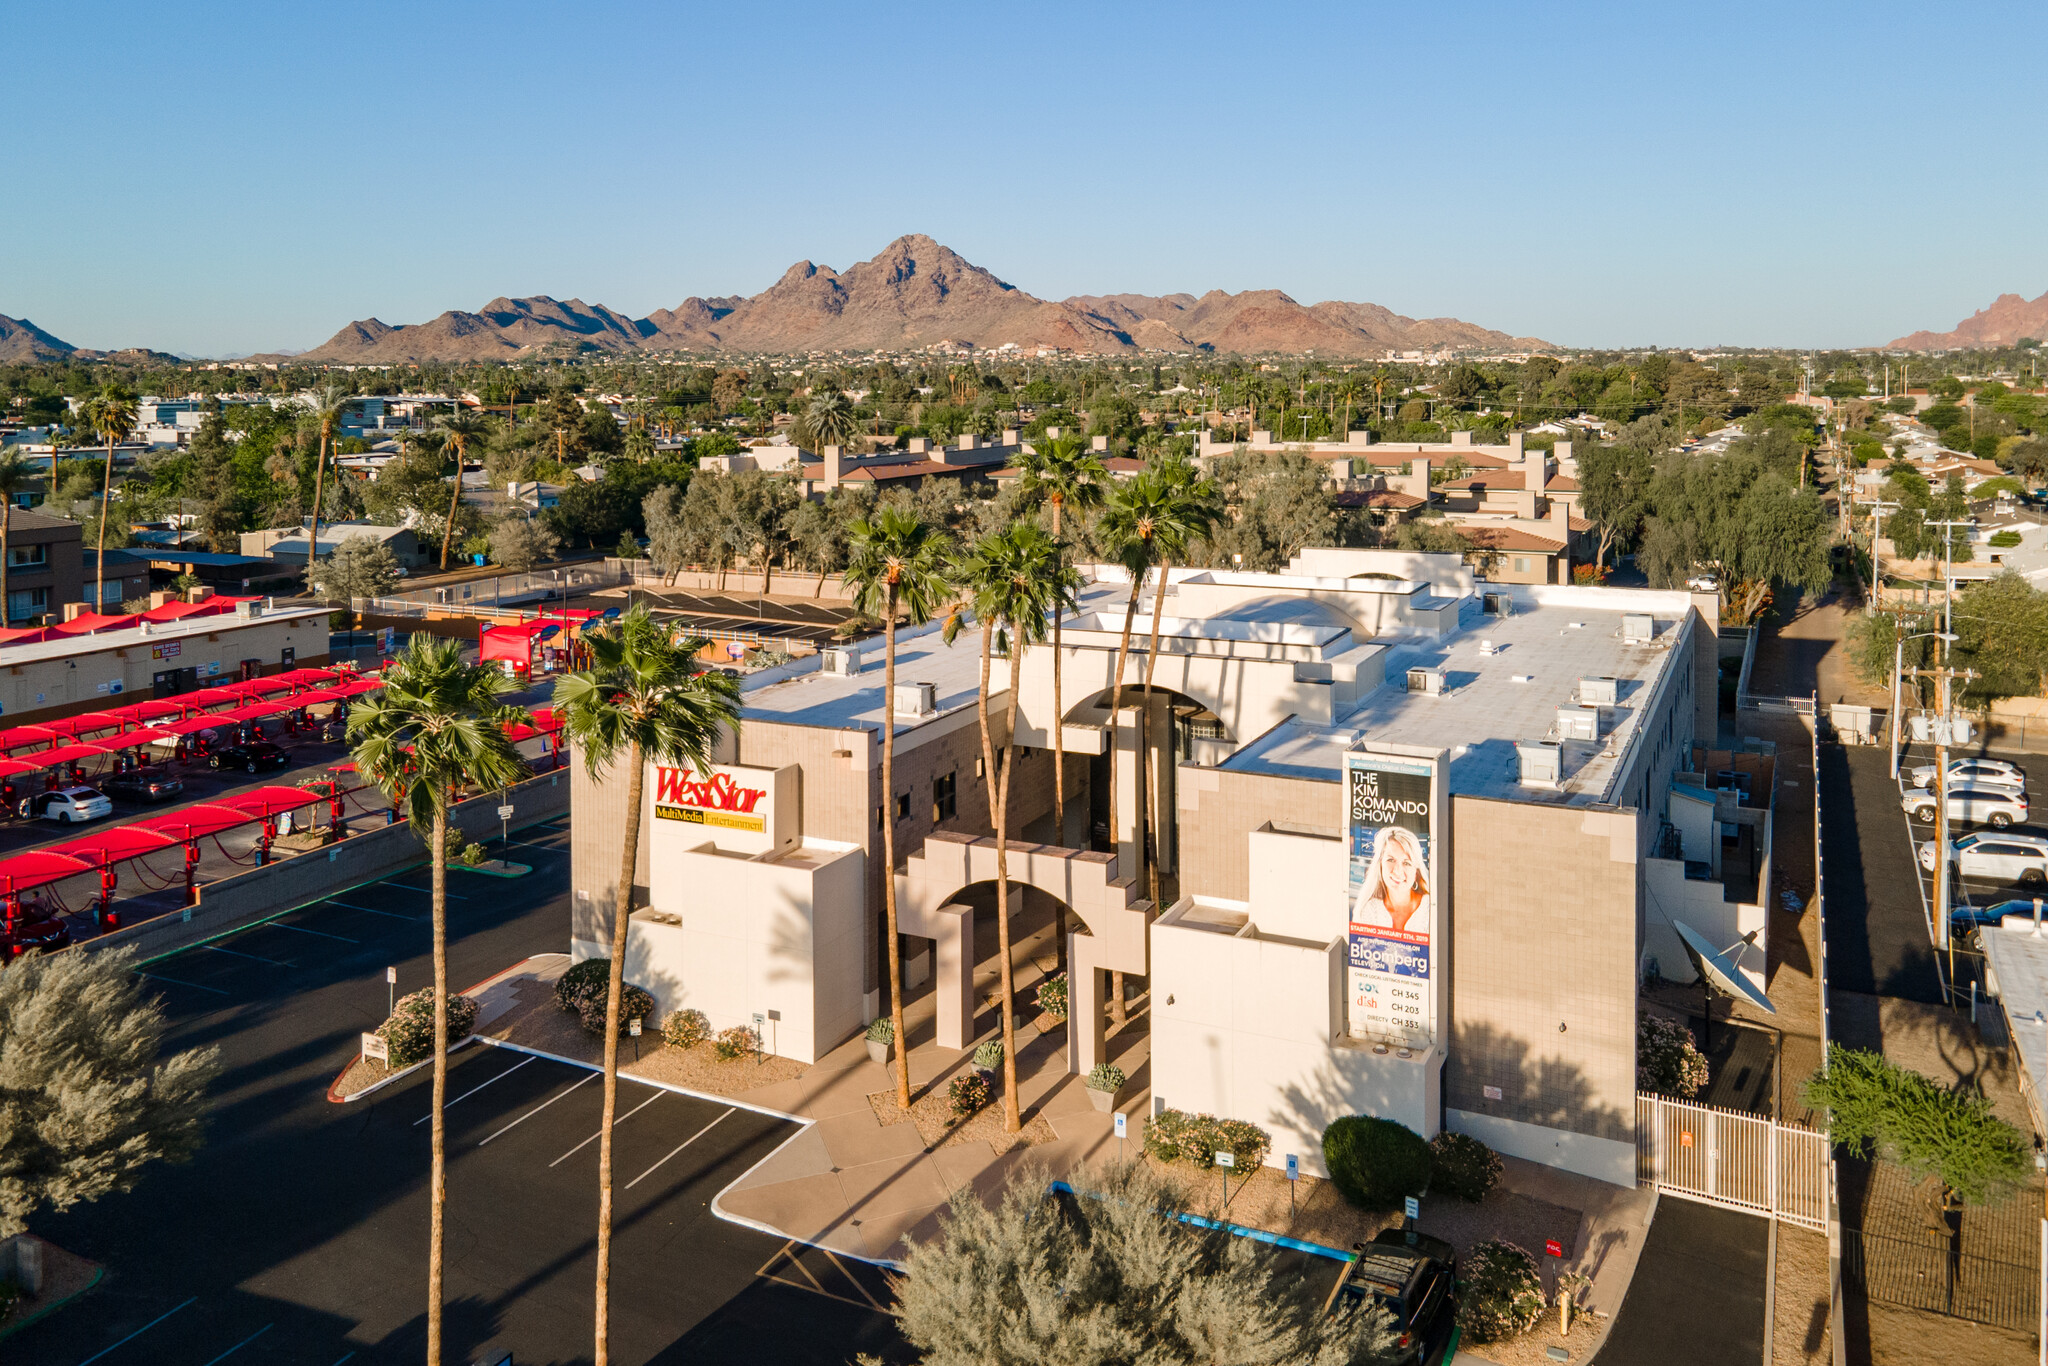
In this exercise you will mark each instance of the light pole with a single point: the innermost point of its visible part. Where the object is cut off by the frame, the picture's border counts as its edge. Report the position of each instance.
(1898, 670)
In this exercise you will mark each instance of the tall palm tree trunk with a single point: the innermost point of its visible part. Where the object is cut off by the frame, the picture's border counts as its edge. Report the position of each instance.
(313, 535)
(1116, 707)
(99, 583)
(894, 947)
(1059, 752)
(454, 502)
(1145, 733)
(622, 910)
(437, 1199)
(1006, 1006)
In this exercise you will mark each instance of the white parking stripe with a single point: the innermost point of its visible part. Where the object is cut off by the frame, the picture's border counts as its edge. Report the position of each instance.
(540, 1107)
(615, 1124)
(472, 1091)
(153, 977)
(390, 915)
(423, 891)
(138, 1332)
(233, 953)
(303, 930)
(678, 1148)
(243, 1343)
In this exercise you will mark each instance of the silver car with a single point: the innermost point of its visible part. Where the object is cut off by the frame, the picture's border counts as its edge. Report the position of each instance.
(1973, 773)
(1995, 858)
(1996, 807)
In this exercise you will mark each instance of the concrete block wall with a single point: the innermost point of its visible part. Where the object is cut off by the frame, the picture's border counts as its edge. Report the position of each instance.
(1219, 809)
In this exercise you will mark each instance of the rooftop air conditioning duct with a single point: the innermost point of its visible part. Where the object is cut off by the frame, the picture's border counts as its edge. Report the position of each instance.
(1599, 692)
(1540, 763)
(251, 608)
(1578, 723)
(1638, 626)
(1498, 604)
(838, 659)
(1429, 682)
(917, 699)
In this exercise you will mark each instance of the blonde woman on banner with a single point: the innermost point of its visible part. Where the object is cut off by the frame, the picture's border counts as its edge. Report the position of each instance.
(1396, 889)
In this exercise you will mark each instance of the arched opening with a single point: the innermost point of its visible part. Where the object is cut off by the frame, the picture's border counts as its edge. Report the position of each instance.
(1184, 729)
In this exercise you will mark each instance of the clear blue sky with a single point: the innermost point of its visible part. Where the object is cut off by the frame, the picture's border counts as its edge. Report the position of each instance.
(216, 178)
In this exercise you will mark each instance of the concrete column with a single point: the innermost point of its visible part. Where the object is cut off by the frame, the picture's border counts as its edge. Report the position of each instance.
(1087, 995)
(953, 992)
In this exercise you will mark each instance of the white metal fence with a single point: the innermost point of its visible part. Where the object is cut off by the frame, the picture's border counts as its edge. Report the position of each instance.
(1725, 1157)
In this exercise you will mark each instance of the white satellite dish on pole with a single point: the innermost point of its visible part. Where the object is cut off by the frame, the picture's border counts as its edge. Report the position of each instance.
(1717, 966)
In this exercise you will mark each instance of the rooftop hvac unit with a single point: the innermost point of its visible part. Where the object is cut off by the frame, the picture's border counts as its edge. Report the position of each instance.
(1578, 723)
(1540, 763)
(251, 608)
(1498, 604)
(1639, 627)
(917, 699)
(838, 659)
(1599, 692)
(1426, 681)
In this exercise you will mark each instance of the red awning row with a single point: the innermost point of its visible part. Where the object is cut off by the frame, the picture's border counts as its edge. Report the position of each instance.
(87, 854)
(293, 683)
(92, 623)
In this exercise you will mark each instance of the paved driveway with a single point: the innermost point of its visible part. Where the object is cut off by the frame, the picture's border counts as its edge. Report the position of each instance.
(1698, 1294)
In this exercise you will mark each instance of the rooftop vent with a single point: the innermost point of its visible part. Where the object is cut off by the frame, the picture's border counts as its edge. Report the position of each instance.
(1486, 647)
(1497, 604)
(839, 659)
(1578, 723)
(1638, 626)
(1427, 681)
(917, 699)
(1599, 692)
(1540, 763)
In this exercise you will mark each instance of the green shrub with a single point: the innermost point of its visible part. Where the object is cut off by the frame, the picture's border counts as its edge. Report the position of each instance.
(472, 854)
(1667, 1060)
(685, 1028)
(1461, 1165)
(634, 1003)
(410, 1030)
(1052, 996)
(1500, 1293)
(988, 1055)
(968, 1093)
(1106, 1076)
(1375, 1162)
(2004, 540)
(1175, 1136)
(736, 1042)
(882, 1030)
(590, 978)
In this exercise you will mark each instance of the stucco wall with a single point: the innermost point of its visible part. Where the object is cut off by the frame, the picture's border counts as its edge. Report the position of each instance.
(1219, 810)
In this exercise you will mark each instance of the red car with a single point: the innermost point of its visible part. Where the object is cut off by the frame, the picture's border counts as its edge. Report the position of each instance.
(34, 929)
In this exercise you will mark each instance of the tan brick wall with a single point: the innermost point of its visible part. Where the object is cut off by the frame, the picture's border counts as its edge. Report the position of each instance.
(1219, 808)
(1543, 934)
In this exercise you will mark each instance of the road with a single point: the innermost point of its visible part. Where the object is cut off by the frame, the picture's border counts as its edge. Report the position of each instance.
(298, 1235)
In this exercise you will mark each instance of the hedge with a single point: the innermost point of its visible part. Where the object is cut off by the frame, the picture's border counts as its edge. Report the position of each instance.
(1375, 1163)
(1175, 1136)
(1462, 1166)
(410, 1030)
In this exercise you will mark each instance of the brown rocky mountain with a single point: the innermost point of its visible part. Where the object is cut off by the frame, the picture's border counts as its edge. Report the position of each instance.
(916, 293)
(2009, 319)
(21, 340)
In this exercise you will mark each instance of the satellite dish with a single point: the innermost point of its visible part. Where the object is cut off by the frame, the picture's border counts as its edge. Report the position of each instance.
(1717, 967)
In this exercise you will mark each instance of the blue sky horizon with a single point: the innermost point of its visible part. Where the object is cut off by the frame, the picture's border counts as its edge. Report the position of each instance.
(234, 179)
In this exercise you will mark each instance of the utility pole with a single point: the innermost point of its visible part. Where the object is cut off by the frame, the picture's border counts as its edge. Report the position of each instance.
(1876, 576)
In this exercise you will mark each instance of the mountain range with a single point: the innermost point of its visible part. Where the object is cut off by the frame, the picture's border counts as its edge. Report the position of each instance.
(21, 341)
(2009, 319)
(915, 293)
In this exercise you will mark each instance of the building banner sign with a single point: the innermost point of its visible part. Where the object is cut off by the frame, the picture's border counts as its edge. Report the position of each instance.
(715, 798)
(1391, 835)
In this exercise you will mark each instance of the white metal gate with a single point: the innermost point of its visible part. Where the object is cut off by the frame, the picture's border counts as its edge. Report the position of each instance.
(1725, 1157)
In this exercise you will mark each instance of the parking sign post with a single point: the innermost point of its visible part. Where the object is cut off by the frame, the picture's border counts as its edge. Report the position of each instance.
(1293, 1175)
(391, 982)
(1119, 1135)
(1225, 1160)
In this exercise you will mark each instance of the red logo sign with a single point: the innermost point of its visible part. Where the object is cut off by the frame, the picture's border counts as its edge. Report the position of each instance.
(1553, 1247)
(716, 792)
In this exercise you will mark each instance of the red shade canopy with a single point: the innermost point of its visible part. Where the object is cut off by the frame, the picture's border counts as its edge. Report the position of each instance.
(191, 822)
(268, 801)
(37, 867)
(86, 623)
(111, 846)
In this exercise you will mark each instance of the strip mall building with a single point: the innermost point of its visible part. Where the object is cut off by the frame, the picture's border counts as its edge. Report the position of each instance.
(1421, 838)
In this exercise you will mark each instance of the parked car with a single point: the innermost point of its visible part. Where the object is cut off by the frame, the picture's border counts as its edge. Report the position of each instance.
(1996, 807)
(253, 757)
(1977, 773)
(34, 928)
(1966, 917)
(67, 805)
(2002, 858)
(141, 785)
(1414, 1278)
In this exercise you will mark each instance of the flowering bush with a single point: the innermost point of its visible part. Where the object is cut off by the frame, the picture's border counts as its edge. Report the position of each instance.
(685, 1028)
(1462, 1166)
(590, 978)
(1052, 996)
(988, 1055)
(410, 1030)
(1667, 1060)
(736, 1042)
(1501, 1295)
(1175, 1136)
(968, 1093)
(634, 1003)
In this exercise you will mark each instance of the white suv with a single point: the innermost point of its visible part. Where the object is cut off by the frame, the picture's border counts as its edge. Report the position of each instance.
(1998, 858)
(1996, 807)
(67, 805)
(1973, 773)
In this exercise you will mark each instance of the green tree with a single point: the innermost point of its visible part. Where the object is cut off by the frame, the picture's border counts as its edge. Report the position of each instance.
(1115, 1275)
(828, 420)
(111, 414)
(88, 1102)
(462, 428)
(359, 567)
(1016, 580)
(1615, 481)
(436, 726)
(1874, 1105)
(897, 564)
(519, 542)
(644, 700)
(16, 475)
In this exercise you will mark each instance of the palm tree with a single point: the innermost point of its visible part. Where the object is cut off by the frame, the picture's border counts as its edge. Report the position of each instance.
(15, 475)
(111, 414)
(326, 406)
(462, 428)
(436, 725)
(1379, 382)
(1016, 579)
(1062, 472)
(829, 418)
(643, 700)
(896, 562)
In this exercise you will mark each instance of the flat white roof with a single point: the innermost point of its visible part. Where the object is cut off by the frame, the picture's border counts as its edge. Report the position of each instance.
(1491, 701)
(184, 627)
(2019, 964)
(849, 701)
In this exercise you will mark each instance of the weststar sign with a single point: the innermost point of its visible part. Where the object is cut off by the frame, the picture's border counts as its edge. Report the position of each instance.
(714, 798)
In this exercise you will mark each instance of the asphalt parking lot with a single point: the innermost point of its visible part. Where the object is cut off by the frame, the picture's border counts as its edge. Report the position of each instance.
(1697, 1298)
(298, 1235)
